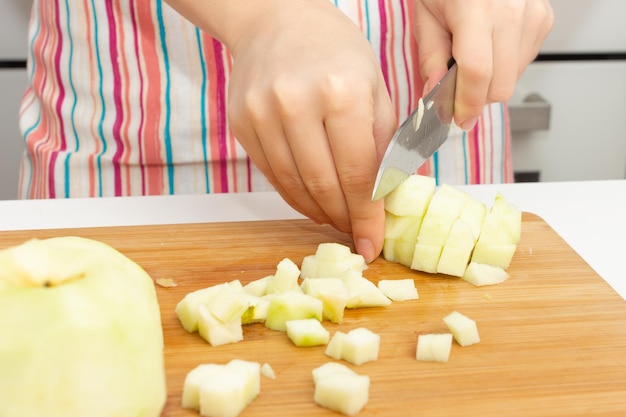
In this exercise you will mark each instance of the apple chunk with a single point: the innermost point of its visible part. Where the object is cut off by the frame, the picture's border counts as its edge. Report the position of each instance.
(463, 328)
(434, 347)
(222, 390)
(81, 332)
(339, 388)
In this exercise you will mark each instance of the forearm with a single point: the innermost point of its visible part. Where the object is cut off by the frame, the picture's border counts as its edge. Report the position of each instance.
(228, 20)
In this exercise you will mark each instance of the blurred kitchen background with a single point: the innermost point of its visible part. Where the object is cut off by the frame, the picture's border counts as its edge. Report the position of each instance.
(568, 114)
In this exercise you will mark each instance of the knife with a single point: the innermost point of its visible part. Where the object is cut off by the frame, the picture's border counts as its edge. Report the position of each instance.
(419, 136)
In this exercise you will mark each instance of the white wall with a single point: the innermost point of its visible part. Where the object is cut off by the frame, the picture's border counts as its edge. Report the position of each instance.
(14, 15)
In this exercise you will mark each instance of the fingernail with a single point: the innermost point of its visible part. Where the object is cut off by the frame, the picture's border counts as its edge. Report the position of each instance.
(469, 124)
(365, 248)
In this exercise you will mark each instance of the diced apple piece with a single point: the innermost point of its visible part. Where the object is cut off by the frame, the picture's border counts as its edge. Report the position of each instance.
(329, 368)
(482, 274)
(258, 287)
(457, 251)
(228, 389)
(330, 261)
(340, 389)
(473, 215)
(292, 305)
(363, 292)
(463, 328)
(411, 197)
(252, 372)
(434, 347)
(332, 292)
(307, 332)
(334, 349)
(447, 202)
(187, 308)
(333, 269)
(332, 252)
(404, 228)
(426, 258)
(308, 267)
(358, 346)
(222, 390)
(285, 278)
(229, 304)
(215, 332)
(399, 251)
(193, 380)
(435, 230)
(257, 310)
(499, 255)
(398, 289)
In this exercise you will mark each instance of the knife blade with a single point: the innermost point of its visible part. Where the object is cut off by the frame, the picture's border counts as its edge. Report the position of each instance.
(419, 136)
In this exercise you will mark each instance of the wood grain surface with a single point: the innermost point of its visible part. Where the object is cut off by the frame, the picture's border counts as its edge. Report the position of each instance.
(553, 335)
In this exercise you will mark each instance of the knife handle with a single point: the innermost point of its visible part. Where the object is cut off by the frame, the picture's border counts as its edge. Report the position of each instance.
(451, 62)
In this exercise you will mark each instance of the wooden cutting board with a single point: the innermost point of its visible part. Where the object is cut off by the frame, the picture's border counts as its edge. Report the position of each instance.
(553, 335)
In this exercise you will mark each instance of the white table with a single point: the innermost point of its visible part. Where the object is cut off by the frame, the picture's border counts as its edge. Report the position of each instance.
(589, 215)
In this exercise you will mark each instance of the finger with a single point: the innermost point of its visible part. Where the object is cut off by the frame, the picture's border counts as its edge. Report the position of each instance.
(435, 46)
(313, 158)
(473, 50)
(507, 40)
(267, 146)
(350, 127)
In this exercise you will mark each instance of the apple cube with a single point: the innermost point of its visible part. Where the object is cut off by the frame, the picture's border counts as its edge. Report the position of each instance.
(457, 251)
(216, 332)
(332, 292)
(340, 389)
(187, 308)
(285, 278)
(473, 215)
(358, 346)
(193, 380)
(222, 390)
(411, 197)
(399, 289)
(332, 252)
(499, 255)
(257, 310)
(481, 274)
(434, 347)
(447, 202)
(229, 304)
(426, 258)
(363, 292)
(334, 349)
(404, 228)
(330, 261)
(257, 287)
(399, 251)
(292, 305)
(307, 332)
(463, 328)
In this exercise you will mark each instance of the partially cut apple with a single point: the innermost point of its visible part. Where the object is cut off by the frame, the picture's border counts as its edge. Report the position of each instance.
(442, 230)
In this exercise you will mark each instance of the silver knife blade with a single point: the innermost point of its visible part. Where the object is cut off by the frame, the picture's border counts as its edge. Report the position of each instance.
(419, 136)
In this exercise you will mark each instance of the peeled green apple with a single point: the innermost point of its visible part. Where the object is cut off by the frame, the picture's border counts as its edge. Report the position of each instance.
(80, 332)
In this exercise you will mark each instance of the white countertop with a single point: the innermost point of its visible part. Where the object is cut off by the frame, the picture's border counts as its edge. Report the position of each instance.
(589, 215)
